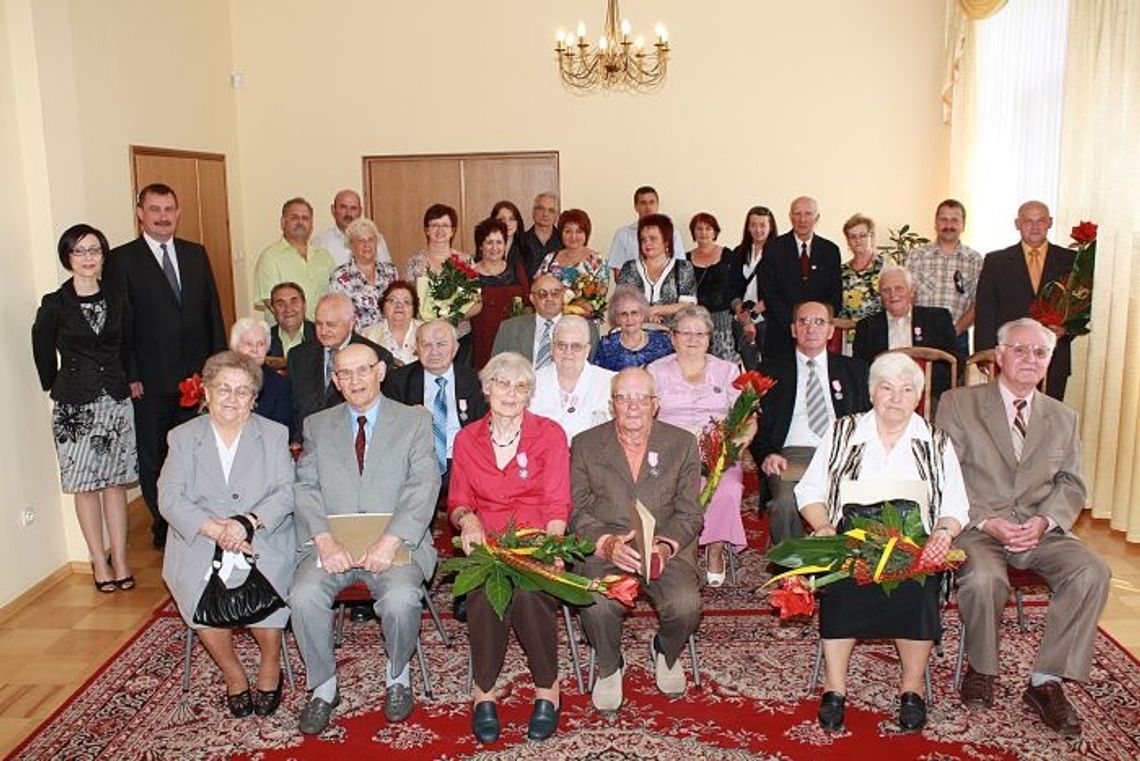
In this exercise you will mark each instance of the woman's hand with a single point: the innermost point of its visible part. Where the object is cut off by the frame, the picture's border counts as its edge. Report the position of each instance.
(226, 533)
(471, 532)
(826, 530)
(746, 435)
(937, 544)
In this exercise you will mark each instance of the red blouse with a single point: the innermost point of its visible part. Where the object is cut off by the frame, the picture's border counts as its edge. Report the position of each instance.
(534, 487)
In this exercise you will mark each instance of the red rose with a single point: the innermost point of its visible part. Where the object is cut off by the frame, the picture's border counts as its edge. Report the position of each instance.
(759, 382)
(794, 598)
(624, 589)
(1084, 233)
(191, 390)
(1046, 313)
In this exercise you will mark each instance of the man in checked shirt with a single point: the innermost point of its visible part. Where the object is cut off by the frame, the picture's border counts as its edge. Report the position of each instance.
(945, 271)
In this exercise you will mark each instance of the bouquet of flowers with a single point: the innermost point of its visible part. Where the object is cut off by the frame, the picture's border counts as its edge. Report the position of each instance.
(886, 553)
(586, 297)
(453, 289)
(1067, 303)
(719, 441)
(192, 391)
(519, 307)
(531, 559)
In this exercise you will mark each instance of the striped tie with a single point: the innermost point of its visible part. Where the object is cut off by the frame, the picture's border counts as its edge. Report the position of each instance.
(816, 405)
(1019, 428)
(542, 358)
(439, 423)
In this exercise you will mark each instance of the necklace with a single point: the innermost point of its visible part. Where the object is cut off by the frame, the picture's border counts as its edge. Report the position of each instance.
(507, 443)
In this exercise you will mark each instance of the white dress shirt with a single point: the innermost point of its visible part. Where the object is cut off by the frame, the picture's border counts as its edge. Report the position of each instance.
(430, 391)
(800, 433)
(156, 250)
(586, 406)
(899, 331)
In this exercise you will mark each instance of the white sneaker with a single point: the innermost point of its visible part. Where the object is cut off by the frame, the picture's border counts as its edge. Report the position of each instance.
(606, 695)
(670, 679)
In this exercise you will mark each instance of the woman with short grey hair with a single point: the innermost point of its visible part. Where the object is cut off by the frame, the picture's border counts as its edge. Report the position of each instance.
(631, 343)
(250, 337)
(363, 278)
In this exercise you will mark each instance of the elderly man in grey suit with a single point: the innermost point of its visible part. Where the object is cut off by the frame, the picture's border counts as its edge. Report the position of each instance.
(1021, 460)
(635, 457)
(368, 455)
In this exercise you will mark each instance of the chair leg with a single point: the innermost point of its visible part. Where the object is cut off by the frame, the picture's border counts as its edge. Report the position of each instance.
(470, 671)
(428, 692)
(1022, 620)
(730, 554)
(434, 613)
(573, 647)
(961, 656)
(695, 660)
(593, 664)
(187, 659)
(339, 614)
(814, 679)
(285, 660)
(926, 682)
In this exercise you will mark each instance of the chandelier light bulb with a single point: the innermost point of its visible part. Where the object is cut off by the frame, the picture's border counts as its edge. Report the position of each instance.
(561, 36)
(626, 27)
(581, 31)
(602, 43)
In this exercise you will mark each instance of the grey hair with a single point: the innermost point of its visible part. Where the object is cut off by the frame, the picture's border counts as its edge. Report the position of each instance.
(342, 300)
(245, 324)
(694, 312)
(1049, 336)
(431, 324)
(360, 227)
(509, 365)
(891, 269)
(895, 364)
(622, 295)
(231, 360)
(626, 372)
(547, 194)
(573, 322)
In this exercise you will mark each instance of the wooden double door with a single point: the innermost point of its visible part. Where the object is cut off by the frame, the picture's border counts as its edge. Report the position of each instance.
(398, 189)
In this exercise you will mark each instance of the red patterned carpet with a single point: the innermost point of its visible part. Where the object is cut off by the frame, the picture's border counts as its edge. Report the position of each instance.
(753, 703)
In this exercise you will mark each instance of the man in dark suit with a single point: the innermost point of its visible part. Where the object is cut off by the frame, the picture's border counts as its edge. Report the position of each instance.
(543, 237)
(176, 323)
(531, 335)
(797, 266)
(287, 302)
(901, 325)
(1021, 461)
(311, 363)
(1012, 279)
(813, 388)
(423, 382)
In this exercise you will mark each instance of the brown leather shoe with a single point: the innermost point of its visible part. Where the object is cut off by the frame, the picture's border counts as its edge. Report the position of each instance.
(977, 690)
(1054, 708)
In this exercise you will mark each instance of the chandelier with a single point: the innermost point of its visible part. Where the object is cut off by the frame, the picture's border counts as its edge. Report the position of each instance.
(618, 62)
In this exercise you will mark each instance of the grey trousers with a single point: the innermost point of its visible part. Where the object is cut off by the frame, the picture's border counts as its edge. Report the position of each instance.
(784, 521)
(1079, 581)
(398, 595)
(676, 596)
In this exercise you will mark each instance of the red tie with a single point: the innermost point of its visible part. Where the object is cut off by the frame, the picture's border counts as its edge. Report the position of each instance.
(360, 421)
(805, 262)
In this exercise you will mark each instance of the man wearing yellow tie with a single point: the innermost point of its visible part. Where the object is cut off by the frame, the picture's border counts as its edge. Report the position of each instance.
(1012, 278)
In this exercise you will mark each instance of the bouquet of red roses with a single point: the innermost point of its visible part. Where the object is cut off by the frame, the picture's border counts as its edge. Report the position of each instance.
(1067, 303)
(453, 289)
(719, 441)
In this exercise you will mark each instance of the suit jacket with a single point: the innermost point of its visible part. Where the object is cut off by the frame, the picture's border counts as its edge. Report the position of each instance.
(931, 327)
(170, 340)
(603, 487)
(1047, 481)
(406, 385)
(193, 488)
(1005, 293)
(779, 403)
(517, 334)
(782, 287)
(89, 362)
(306, 365)
(276, 349)
(400, 476)
(276, 398)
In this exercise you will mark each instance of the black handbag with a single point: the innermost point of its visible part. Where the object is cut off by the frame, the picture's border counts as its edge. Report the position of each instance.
(874, 512)
(229, 607)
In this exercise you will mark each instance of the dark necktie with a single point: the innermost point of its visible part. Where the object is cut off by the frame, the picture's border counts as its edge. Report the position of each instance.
(360, 442)
(1019, 428)
(171, 275)
(805, 262)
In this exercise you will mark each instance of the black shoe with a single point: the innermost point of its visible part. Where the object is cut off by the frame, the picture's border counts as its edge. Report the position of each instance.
(543, 720)
(265, 702)
(240, 705)
(831, 708)
(459, 608)
(362, 612)
(485, 722)
(912, 712)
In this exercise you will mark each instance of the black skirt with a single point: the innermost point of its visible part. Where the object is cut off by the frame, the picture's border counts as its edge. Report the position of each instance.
(852, 611)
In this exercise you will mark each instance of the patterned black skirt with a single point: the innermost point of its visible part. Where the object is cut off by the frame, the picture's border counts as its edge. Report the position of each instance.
(95, 443)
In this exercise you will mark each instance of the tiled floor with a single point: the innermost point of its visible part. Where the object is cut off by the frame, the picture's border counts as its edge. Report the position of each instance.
(50, 648)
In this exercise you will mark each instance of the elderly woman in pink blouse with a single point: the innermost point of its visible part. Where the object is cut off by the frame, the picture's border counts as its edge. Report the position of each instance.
(693, 387)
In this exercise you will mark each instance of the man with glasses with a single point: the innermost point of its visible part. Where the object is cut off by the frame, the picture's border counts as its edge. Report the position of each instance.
(813, 388)
(570, 391)
(1021, 461)
(367, 455)
(1013, 278)
(311, 362)
(543, 236)
(635, 457)
(532, 335)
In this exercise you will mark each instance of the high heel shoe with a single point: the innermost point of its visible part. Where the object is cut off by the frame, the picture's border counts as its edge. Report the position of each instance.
(240, 704)
(265, 702)
(106, 587)
(715, 579)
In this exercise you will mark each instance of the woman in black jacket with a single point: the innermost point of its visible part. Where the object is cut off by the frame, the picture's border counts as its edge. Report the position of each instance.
(92, 422)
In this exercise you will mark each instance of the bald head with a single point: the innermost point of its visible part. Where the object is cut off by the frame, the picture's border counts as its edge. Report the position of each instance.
(1033, 222)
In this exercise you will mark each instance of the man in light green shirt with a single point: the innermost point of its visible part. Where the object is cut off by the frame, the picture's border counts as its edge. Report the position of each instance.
(292, 259)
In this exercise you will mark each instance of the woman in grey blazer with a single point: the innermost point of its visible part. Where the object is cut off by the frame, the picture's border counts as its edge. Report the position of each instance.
(225, 469)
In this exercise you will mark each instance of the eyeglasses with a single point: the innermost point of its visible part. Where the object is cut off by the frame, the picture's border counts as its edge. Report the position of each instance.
(813, 322)
(348, 374)
(691, 333)
(439, 225)
(505, 385)
(1025, 351)
(241, 393)
(398, 302)
(94, 252)
(630, 313)
(630, 400)
(575, 348)
(543, 293)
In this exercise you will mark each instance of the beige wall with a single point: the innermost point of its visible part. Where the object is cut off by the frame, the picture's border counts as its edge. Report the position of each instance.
(766, 100)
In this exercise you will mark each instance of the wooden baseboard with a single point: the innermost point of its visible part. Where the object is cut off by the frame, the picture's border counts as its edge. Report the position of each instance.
(41, 587)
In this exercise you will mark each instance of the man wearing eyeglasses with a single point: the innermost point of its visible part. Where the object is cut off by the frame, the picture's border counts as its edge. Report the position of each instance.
(813, 388)
(311, 362)
(1021, 461)
(367, 455)
(543, 236)
(1013, 278)
(635, 457)
(532, 335)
